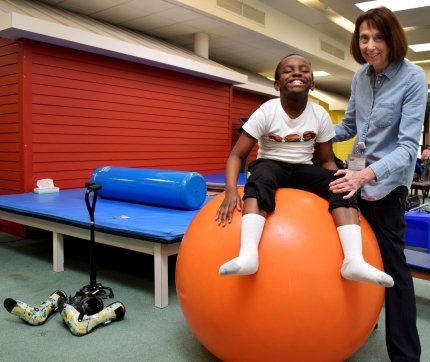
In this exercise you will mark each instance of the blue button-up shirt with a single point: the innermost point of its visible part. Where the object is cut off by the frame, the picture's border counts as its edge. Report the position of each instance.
(386, 112)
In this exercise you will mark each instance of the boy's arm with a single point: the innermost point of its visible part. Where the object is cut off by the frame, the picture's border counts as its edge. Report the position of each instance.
(240, 152)
(232, 200)
(325, 156)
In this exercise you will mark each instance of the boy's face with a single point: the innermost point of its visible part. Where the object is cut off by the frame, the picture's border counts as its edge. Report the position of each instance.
(295, 75)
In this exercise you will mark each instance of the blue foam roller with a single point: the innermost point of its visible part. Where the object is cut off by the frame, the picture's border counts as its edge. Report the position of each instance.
(173, 189)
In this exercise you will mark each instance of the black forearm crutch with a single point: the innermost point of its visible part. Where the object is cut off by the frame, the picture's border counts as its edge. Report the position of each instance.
(94, 288)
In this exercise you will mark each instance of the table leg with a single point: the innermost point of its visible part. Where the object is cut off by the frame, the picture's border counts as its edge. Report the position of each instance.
(425, 194)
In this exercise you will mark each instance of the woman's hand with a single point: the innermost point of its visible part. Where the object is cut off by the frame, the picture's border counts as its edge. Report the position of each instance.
(224, 214)
(351, 181)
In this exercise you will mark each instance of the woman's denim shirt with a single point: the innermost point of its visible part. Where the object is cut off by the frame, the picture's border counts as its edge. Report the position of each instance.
(388, 117)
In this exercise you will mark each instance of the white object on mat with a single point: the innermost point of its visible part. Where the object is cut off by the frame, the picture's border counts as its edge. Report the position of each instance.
(45, 186)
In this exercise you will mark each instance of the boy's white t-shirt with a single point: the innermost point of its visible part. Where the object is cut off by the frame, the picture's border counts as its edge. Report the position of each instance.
(271, 120)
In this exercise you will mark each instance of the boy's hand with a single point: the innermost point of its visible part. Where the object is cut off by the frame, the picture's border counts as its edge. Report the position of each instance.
(224, 213)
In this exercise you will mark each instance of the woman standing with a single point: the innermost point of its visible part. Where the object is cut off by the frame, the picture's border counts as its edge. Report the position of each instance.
(385, 113)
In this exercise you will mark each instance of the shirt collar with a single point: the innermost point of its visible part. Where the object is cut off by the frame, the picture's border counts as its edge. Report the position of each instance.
(388, 72)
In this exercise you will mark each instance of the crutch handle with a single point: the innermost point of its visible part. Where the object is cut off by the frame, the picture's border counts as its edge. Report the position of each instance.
(91, 205)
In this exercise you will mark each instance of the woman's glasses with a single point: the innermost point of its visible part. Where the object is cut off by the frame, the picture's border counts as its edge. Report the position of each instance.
(305, 137)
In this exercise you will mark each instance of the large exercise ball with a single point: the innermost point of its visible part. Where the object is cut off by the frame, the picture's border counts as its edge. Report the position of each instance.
(297, 307)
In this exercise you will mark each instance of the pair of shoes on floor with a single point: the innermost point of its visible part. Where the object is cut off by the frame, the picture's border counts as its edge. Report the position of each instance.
(78, 321)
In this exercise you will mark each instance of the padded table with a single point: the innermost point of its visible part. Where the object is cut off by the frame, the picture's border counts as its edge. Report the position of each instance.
(148, 229)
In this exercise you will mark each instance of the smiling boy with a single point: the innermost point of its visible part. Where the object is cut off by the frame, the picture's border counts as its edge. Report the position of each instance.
(288, 130)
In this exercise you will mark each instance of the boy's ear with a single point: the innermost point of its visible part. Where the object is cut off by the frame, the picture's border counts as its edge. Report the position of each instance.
(312, 86)
(276, 86)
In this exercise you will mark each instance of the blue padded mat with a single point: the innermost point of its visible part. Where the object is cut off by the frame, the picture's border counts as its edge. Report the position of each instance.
(136, 220)
(418, 259)
(216, 181)
(418, 229)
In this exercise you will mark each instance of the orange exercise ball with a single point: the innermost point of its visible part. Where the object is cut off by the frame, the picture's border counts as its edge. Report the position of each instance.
(297, 307)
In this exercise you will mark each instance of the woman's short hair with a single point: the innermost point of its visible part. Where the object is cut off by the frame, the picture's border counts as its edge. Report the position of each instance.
(390, 28)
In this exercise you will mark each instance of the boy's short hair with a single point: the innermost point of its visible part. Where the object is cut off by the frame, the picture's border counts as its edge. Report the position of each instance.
(277, 75)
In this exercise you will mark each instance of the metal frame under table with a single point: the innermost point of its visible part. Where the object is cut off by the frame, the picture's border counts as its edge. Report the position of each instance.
(160, 251)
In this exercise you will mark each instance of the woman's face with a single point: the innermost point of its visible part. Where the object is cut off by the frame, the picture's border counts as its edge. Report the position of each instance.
(373, 47)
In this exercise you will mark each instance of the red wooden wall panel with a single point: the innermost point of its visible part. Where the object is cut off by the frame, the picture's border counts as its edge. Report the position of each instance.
(10, 127)
(89, 110)
(11, 145)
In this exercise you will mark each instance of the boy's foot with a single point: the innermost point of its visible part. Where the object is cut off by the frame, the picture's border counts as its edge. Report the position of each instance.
(358, 270)
(240, 266)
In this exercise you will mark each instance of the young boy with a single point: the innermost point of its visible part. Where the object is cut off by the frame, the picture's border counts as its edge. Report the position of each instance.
(288, 131)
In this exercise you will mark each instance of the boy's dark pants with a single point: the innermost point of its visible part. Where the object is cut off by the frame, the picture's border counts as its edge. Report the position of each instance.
(269, 175)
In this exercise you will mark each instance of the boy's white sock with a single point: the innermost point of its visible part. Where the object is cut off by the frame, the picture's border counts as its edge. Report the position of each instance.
(354, 266)
(247, 261)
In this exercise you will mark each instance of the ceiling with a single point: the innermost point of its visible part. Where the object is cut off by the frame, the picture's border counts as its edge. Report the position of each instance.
(289, 27)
